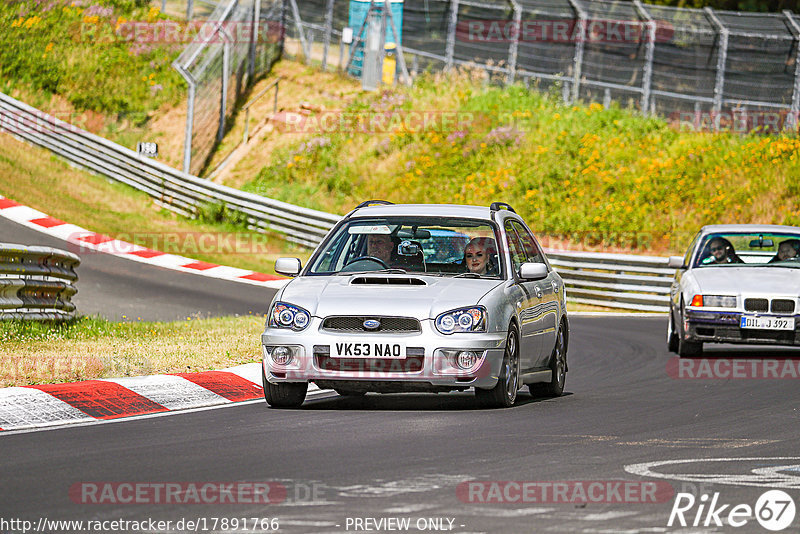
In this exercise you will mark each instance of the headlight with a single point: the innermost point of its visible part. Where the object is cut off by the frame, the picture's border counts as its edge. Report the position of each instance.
(714, 301)
(462, 320)
(287, 316)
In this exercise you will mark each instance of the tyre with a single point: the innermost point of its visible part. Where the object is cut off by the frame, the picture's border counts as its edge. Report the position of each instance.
(687, 349)
(504, 393)
(558, 369)
(284, 395)
(672, 334)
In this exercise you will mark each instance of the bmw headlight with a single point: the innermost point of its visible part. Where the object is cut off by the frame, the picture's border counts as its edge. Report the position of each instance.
(288, 316)
(462, 320)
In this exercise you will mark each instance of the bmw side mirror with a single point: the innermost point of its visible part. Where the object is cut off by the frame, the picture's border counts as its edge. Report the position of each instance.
(533, 271)
(288, 266)
(675, 262)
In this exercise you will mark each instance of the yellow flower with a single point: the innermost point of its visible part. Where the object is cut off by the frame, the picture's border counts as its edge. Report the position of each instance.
(297, 158)
(49, 47)
(16, 23)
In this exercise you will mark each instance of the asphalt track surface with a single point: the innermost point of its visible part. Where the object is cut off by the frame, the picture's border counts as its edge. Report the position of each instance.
(120, 289)
(404, 455)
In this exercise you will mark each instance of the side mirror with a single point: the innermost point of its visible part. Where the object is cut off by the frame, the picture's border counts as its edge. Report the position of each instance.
(533, 271)
(675, 262)
(288, 266)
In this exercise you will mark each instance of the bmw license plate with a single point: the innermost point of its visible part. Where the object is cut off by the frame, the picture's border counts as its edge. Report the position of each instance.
(375, 349)
(767, 323)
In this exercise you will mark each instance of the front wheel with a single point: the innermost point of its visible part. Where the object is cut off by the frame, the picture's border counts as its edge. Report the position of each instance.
(558, 370)
(285, 394)
(672, 335)
(686, 348)
(504, 393)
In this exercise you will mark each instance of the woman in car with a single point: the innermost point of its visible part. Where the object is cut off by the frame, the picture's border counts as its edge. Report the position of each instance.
(479, 256)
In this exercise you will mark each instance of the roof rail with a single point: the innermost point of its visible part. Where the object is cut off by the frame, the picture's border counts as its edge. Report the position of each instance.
(497, 205)
(370, 202)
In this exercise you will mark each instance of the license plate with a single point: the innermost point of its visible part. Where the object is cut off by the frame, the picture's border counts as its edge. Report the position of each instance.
(767, 323)
(374, 349)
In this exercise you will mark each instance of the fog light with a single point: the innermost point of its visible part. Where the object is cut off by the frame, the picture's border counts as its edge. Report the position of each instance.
(281, 355)
(467, 359)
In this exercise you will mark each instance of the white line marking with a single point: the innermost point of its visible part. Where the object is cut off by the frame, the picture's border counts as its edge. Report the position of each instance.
(760, 476)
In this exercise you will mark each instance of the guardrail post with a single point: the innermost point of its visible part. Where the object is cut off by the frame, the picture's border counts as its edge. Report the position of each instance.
(722, 58)
(514, 47)
(452, 26)
(792, 119)
(647, 71)
(326, 42)
(577, 60)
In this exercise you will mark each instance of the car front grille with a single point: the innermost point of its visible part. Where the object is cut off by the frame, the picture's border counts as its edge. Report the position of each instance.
(388, 325)
(756, 305)
(782, 306)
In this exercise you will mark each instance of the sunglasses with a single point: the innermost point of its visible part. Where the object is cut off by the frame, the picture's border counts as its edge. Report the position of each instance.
(716, 249)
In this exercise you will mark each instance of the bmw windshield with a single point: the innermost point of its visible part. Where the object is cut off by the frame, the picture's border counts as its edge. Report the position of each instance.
(433, 245)
(749, 249)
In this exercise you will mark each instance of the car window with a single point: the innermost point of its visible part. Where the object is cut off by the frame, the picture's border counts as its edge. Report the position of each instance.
(749, 249)
(688, 257)
(532, 252)
(515, 248)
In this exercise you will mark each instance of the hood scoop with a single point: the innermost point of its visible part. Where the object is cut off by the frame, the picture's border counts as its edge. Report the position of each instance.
(387, 281)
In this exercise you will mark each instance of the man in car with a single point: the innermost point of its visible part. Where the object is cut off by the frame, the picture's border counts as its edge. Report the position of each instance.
(787, 250)
(721, 252)
(380, 246)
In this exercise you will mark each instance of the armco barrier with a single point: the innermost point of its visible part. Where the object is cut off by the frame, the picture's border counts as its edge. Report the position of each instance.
(175, 190)
(615, 280)
(36, 282)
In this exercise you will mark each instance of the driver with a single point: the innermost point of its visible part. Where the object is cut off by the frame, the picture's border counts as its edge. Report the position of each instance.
(721, 252)
(380, 246)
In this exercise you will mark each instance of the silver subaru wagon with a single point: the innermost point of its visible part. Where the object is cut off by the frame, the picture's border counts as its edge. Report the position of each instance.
(419, 298)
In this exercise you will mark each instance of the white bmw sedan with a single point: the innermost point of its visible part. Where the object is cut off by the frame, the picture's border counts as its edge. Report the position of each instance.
(737, 283)
(419, 298)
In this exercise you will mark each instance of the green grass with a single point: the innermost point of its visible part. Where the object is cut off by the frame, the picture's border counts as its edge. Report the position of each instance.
(91, 347)
(80, 52)
(582, 173)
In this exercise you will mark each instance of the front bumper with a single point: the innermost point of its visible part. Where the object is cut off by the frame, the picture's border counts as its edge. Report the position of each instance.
(723, 327)
(426, 365)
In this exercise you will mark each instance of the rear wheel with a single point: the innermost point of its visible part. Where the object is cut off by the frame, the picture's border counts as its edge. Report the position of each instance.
(285, 394)
(504, 393)
(558, 370)
(687, 349)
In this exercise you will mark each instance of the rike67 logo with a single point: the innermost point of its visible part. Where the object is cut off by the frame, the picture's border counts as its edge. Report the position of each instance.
(774, 510)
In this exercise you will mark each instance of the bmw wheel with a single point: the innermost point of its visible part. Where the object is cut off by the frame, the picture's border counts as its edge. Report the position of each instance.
(686, 348)
(504, 393)
(672, 335)
(285, 394)
(558, 369)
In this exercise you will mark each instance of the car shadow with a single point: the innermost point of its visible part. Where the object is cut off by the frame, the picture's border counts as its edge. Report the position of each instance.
(463, 401)
(750, 352)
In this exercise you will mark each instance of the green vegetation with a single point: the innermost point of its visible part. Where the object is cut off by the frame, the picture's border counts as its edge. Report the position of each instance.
(85, 52)
(91, 347)
(582, 173)
(733, 5)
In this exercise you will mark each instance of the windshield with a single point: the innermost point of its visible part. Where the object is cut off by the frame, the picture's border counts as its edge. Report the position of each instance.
(434, 245)
(746, 249)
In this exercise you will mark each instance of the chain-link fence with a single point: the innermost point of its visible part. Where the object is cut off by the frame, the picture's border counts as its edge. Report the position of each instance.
(239, 41)
(705, 68)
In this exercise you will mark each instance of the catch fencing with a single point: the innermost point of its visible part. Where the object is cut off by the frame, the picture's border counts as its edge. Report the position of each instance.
(243, 41)
(36, 283)
(703, 68)
(175, 190)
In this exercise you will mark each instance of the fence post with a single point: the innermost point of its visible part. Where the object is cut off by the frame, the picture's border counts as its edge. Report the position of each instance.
(326, 39)
(722, 57)
(187, 140)
(577, 60)
(452, 26)
(226, 75)
(514, 47)
(647, 71)
(792, 120)
(301, 34)
(189, 9)
(387, 8)
(251, 64)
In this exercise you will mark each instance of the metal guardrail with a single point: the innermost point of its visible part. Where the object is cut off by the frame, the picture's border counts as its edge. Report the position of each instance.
(615, 280)
(178, 191)
(36, 283)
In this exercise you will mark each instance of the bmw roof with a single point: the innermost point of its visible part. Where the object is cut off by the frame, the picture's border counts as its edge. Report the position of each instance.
(748, 228)
(422, 210)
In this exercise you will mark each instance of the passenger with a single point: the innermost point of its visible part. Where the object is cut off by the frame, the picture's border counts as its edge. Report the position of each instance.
(479, 256)
(721, 252)
(787, 250)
